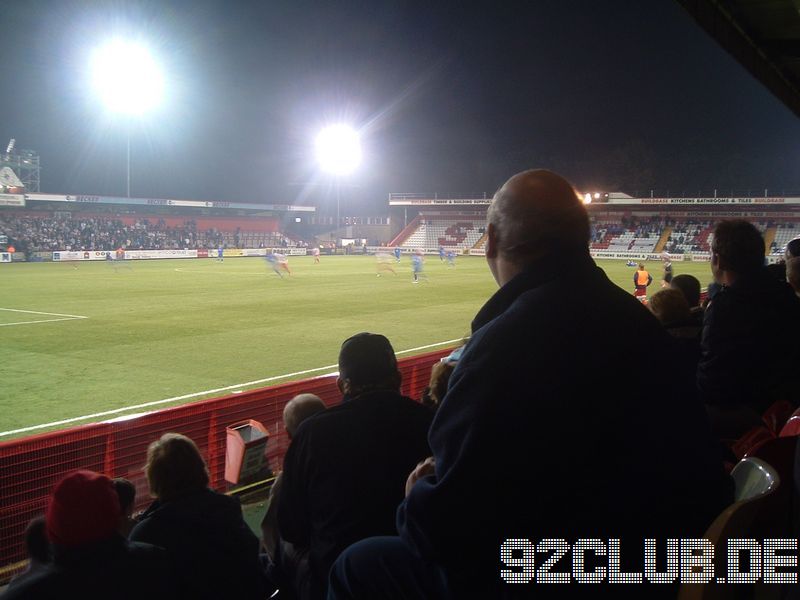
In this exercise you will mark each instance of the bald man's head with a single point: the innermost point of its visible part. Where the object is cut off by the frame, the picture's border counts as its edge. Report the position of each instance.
(300, 408)
(537, 213)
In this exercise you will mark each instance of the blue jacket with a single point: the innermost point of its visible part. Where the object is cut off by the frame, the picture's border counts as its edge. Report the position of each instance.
(553, 427)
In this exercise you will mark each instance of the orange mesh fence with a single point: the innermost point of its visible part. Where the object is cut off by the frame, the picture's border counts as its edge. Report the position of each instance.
(29, 467)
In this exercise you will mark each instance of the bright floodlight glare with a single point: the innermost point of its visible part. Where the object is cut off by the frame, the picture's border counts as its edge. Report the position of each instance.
(587, 199)
(127, 77)
(338, 149)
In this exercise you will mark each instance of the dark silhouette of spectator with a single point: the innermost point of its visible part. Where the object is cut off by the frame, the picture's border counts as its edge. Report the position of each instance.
(533, 442)
(792, 254)
(672, 310)
(777, 270)
(793, 249)
(90, 558)
(441, 371)
(289, 565)
(793, 273)
(750, 331)
(38, 549)
(345, 469)
(689, 286)
(712, 290)
(127, 499)
(215, 553)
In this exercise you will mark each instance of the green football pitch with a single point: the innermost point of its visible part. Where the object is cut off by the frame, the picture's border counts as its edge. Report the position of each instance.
(93, 339)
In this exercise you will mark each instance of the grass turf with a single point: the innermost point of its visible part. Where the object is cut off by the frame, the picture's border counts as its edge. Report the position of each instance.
(160, 329)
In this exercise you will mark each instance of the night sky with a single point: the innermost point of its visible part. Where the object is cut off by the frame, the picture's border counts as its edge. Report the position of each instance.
(620, 95)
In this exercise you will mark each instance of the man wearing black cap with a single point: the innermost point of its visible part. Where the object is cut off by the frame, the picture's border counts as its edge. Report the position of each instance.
(346, 468)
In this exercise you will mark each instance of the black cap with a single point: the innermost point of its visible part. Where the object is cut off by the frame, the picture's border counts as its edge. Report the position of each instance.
(367, 358)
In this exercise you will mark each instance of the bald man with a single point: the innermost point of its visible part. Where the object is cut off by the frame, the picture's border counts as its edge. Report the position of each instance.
(542, 433)
(289, 564)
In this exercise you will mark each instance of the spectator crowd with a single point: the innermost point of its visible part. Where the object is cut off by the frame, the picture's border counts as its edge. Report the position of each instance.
(521, 437)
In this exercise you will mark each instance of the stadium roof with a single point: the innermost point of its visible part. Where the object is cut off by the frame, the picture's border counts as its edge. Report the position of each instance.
(763, 35)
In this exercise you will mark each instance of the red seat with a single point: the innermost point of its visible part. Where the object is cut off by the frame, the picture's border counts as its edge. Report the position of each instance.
(792, 427)
(776, 416)
(750, 439)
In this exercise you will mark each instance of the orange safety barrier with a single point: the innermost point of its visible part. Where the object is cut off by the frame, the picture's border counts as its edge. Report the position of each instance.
(30, 467)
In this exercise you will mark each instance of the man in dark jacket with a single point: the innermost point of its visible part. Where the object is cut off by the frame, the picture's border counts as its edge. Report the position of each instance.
(749, 346)
(536, 438)
(90, 558)
(345, 469)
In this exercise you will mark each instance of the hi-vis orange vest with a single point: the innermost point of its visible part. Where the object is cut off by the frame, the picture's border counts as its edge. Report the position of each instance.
(642, 277)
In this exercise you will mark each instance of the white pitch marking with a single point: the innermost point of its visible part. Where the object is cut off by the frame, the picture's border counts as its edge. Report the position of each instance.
(62, 317)
(195, 394)
(42, 321)
(36, 312)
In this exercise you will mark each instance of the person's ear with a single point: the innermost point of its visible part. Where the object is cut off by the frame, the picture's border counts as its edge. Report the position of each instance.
(398, 379)
(341, 384)
(492, 241)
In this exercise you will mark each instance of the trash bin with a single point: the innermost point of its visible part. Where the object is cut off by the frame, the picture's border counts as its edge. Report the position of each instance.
(244, 450)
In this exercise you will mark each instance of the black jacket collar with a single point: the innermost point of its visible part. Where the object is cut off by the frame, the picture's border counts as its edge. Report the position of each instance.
(538, 273)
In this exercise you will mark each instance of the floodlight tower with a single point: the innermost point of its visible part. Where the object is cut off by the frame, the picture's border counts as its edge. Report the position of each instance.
(338, 149)
(129, 82)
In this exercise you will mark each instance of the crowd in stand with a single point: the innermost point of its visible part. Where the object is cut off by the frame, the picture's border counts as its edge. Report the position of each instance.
(522, 437)
(46, 234)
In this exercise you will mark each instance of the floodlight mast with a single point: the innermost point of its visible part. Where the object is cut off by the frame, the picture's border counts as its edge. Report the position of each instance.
(338, 149)
(129, 81)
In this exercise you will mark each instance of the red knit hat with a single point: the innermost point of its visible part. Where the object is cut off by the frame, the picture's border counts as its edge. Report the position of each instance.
(84, 508)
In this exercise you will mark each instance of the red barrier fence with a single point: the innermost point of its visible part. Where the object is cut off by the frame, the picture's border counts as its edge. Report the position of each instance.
(29, 467)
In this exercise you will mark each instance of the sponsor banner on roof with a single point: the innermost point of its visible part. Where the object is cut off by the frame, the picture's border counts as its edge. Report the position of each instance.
(708, 201)
(437, 202)
(88, 199)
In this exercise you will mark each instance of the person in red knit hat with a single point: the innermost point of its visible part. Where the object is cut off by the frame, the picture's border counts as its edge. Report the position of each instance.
(90, 557)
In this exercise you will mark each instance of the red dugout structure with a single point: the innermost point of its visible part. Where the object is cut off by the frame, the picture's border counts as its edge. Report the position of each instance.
(29, 467)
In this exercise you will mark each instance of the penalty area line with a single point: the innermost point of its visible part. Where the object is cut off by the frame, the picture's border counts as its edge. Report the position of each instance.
(117, 411)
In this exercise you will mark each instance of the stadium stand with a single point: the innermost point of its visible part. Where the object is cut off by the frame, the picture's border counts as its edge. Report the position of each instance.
(612, 232)
(689, 236)
(39, 233)
(783, 235)
(457, 232)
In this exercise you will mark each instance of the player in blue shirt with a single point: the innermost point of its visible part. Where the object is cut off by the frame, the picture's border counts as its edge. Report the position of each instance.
(272, 260)
(451, 258)
(397, 254)
(417, 260)
(441, 253)
(220, 253)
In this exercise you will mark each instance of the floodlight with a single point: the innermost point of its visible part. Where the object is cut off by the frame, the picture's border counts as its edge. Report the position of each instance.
(597, 195)
(587, 199)
(338, 149)
(127, 77)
